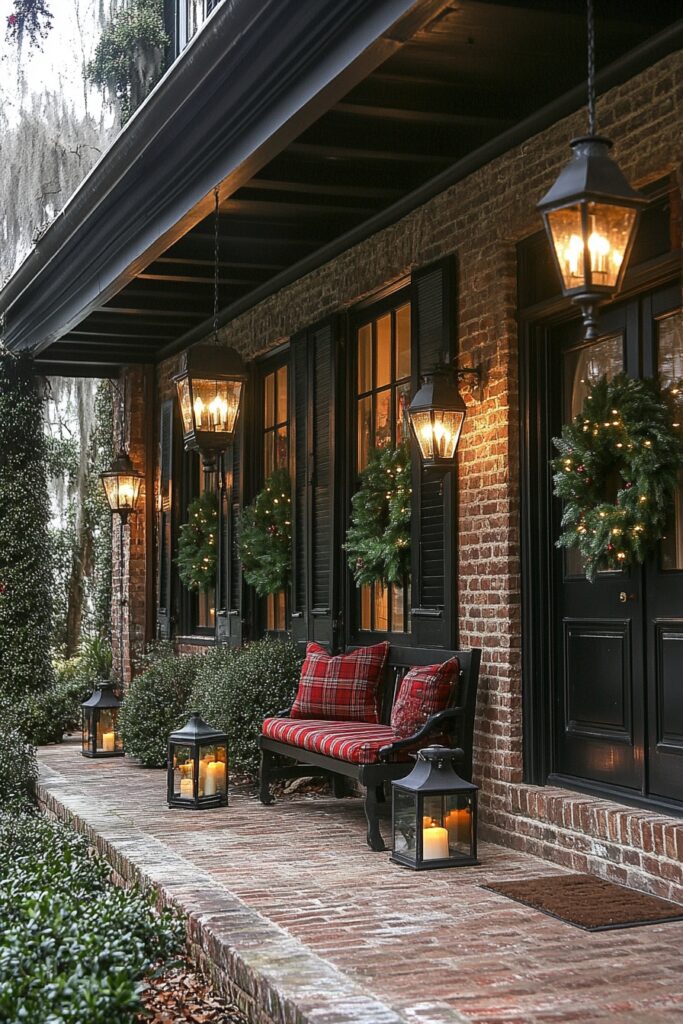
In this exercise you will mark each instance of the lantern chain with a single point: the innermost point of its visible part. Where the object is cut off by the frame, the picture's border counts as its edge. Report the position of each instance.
(215, 268)
(590, 18)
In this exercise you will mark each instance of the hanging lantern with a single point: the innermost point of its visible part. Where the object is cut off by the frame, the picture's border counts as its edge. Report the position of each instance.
(121, 484)
(591, 214)
(437, 413)
(434, 814)
(209, 393)
(101, 737)
(197, 766)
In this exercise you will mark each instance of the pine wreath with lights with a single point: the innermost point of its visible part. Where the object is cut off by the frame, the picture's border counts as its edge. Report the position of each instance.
(265, 536)
(198, 543)
(616, 472)
(378, 539)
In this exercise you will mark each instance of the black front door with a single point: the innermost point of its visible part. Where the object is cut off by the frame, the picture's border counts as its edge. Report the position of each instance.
(617, 687)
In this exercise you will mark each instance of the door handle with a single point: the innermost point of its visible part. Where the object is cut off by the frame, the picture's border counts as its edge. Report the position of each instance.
(624, 597)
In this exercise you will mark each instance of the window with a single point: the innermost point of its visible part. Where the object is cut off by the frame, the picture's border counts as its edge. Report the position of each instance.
(382, 397)
(205, 617)
(275, 456)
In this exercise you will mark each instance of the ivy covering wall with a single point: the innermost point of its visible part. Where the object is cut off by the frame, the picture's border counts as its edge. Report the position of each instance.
(25, 560)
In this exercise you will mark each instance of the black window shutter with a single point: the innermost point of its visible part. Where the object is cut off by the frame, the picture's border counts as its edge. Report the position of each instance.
(229, 596)
(434, 521)
(316, 522)
(165, 523)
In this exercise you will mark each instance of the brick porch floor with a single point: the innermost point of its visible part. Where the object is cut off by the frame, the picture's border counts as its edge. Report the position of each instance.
(304, 925)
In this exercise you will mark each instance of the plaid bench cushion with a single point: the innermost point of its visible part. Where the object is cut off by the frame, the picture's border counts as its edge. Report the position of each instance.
(357, 742)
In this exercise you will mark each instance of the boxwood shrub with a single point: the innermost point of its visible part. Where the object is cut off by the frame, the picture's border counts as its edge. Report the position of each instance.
(73, 948)
(236, 688)
(18, 766)
(156, 703)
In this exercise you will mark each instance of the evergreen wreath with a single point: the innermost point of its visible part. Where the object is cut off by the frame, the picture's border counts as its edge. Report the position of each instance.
(378, 539)
(198, 543)
(616, 472)
(265, 536)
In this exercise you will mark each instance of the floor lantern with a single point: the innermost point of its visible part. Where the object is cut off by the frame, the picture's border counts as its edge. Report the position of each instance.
(197, 766)
(434, 814)
(101, 737)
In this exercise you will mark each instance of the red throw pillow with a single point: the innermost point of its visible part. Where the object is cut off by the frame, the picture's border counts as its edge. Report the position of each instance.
(425, 690)
(343, 688)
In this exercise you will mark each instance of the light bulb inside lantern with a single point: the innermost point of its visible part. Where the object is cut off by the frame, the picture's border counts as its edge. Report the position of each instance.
(198, 412)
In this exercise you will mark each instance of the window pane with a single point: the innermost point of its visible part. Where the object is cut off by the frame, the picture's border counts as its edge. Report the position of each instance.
(268, 453)
(281, 448)
(365, 359)
(364, 432)
(381, 608)
(397, 617)
(282, 395)
(269, 400)
(402, 403)
(670, 369)
(383, 419)
(206, 608)
(383, 351)
(402, 342)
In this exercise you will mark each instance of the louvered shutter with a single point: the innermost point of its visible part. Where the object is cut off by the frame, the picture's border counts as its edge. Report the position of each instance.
(229, 617)
(434, 519)
(165, 523)
(316, 522)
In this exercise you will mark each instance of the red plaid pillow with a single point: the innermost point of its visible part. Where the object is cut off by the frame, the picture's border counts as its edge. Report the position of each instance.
(424, 691)
(343, 688)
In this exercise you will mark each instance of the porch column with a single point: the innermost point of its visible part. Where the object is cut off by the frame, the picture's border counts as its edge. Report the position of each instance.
(132, 608)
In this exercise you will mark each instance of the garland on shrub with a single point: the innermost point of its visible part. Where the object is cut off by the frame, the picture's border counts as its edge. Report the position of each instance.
(198, 545)
(616, 472)
(265, 536)
(378, 540)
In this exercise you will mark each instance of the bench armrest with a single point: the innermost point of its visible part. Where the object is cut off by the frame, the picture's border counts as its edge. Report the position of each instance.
(285, 713)
(433, 723)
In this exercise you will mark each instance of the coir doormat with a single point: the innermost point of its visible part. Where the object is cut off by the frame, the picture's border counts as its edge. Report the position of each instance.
(589, 902)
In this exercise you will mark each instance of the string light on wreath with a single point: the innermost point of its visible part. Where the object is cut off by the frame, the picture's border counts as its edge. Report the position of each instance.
(617, 478)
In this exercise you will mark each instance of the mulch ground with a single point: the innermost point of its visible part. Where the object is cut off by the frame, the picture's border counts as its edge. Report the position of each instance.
(182, 996)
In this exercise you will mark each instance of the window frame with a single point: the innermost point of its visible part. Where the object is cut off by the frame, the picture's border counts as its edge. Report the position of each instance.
(189, 600)
(364, 313)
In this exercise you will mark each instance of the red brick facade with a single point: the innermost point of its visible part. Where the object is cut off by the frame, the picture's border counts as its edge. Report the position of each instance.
(481, 219)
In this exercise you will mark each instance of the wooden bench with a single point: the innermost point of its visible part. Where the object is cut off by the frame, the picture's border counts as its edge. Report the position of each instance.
(454, 725)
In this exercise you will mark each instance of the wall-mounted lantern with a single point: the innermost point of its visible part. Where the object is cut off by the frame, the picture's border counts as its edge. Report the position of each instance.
(437, 414)
(210, 384)
(121, 484)
(590, 215)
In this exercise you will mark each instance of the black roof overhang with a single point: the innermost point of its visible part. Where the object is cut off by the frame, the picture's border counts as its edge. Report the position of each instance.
(295, 57)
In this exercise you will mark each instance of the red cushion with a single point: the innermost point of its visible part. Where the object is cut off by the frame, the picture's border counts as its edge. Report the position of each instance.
(357, 742)
(343, 688)
(425, 690)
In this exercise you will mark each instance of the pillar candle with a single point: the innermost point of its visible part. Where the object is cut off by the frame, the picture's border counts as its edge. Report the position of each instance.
(108, 741)
(215, 778)
(434, 843)
(186, 789)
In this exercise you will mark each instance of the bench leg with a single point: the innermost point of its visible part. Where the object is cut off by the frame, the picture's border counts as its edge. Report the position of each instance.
(264, 794)
(338, 785)
(375, 841)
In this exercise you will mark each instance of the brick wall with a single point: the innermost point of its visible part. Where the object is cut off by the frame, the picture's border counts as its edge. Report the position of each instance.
(481, 219)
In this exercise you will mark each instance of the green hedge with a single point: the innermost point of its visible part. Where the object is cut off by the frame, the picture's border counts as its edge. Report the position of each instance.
(18, 766)
(156, 703)
(73, 948)
(236, 688)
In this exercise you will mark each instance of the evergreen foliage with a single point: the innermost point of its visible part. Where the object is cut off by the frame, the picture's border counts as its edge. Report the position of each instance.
(198, 543)
(237, 687)
(265, 536)
(25, 561)
(32, 18)
(378, 539)
(616, 472)
(129, 57)
(98, 516)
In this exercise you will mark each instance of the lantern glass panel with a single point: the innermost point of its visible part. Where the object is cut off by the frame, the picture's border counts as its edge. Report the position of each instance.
(122, 491)
(404, 818)
(183, 773)
(212, 770)
(185, 403)
(437, 432)
(87, 729)
(107, 737)
(215, 404)
(610, 228)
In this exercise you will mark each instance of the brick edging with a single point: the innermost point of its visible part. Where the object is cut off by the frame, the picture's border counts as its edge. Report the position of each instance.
(270, 975)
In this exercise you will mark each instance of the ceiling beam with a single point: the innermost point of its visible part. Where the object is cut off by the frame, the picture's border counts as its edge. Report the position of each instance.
(407, 115)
